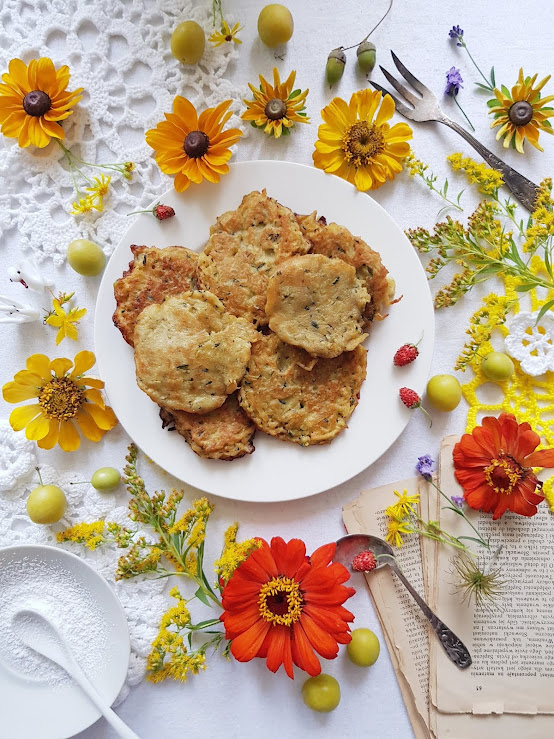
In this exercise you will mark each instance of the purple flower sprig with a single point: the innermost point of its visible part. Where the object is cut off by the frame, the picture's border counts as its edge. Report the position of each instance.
(425, 467)
(453, 83)
(457, 33)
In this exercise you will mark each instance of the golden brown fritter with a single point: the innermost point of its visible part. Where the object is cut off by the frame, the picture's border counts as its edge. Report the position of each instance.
(189, 353)
(225, 433)
(243, 250)
(333, 240)
(153, 275)
(317, 303)
(299, 405)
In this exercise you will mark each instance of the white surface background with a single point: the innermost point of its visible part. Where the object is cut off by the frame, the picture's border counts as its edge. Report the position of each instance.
(241, 701)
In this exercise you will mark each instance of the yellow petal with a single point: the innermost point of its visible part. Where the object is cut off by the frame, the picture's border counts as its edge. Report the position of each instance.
(69, 439)
(95, 396)
(13, 392)
(25, 377)
(83, 362)
(37, 135)
(21, 416)
(186, 112)
(386, 111)
(103, 417)
(181, 182)
(18, 72)
(51, 439)
(363, 179)
(92, 382)
(89, 427)
(40, 365)
(38, 428)
(60, 366)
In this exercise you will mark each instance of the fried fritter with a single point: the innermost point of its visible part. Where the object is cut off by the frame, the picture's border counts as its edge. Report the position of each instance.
(243, 250)
(333, 240)
(225, 433)
(189, 353)
(299, 405)
(153, 275)
(317, 303)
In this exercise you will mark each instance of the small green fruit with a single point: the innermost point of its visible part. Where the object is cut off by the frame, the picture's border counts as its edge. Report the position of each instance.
(275, 25)
(366, 53)
(364, 648)
(497, 366)
(46, 504)
(187, 42)
(336, 61)
(321, 693)
(444, 392)
(105, 479)
(85, 257)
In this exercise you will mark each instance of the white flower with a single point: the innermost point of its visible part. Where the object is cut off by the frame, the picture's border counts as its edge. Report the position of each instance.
(532, 344)
(12, 311)
(27, 273)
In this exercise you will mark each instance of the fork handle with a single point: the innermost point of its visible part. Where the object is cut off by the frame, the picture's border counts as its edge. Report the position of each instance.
(524, 190)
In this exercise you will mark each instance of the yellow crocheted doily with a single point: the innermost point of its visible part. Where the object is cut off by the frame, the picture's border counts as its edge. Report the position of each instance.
(528, 398)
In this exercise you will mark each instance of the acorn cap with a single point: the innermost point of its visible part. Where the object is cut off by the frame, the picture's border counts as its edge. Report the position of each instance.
(338, 54)
(365, 46)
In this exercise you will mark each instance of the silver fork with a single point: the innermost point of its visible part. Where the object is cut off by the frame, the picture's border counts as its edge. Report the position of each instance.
(426, 107)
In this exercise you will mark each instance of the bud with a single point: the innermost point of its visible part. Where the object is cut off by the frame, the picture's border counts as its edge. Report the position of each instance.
(336, 62)
(366, 56)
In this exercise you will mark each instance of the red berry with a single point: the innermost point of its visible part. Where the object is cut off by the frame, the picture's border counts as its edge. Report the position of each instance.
(410, 398)
(406, 354)
(163, 211)
(364, 562)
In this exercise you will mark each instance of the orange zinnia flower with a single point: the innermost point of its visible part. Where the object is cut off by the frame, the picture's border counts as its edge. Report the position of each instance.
(284, 606)
(191, 146)
(493, 465)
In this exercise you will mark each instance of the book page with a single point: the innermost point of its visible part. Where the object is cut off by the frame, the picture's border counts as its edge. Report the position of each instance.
(512, 646)
(402, 620)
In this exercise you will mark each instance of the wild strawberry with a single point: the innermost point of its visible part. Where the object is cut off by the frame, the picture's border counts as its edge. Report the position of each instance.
(412, 401)
(163, 211)
(364, 562)
(405, 355)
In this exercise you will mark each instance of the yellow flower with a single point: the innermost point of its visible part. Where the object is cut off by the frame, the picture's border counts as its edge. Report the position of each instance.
(193, 147)
(357, 143)
(414, 165)
(33, 100)
(406, 502)
(98, 191)
(85, 205)
(521, 113)
(234, 553)
(65, 397)
(89, 534)
(65, 320)
(489, 180)
(395, 531)
(225, 35)
(276, 108)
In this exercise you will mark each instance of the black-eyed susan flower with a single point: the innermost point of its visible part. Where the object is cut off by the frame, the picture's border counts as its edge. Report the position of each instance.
(357, 143)
(521, 112)
(193, 147)
(64, 317)
(65, 396)
(276, 108)
(226, 35)
(33, 101)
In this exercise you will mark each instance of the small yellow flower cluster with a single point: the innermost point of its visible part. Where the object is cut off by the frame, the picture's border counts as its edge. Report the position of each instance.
(193, 522)
(64, 319)
(398, 514)
(489, 180)
(415, 166)
(541, 225)
(482, 323)
(89, 534)
(141, 558)
(95, 199)
(234, 553)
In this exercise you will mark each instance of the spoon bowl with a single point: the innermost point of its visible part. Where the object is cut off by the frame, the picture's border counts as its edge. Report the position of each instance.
(350, 546)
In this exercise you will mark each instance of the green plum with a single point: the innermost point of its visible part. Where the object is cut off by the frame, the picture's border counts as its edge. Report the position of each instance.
(321, 693)
(85, 257)
(444, 392)
(275, 25)
(105, 479)
(46, 504)
(497, 366)
(364, 648)
(188, 41)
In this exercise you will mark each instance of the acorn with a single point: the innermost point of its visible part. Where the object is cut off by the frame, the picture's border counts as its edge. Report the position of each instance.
(366, 56)
(334, 69)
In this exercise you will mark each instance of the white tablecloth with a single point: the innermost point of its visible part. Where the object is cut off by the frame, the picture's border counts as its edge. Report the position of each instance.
(241, 701)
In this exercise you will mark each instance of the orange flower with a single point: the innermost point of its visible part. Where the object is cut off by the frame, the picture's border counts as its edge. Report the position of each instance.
(193, 147)
(33, 101)
(493, 465)
(284, 606)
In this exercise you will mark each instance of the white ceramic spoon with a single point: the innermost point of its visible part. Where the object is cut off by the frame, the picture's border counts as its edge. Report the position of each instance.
(40, 634)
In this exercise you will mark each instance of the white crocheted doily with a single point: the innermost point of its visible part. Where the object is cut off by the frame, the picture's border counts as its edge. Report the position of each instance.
(530, 344)
(142, 599)
(119, 53)
(17, 456)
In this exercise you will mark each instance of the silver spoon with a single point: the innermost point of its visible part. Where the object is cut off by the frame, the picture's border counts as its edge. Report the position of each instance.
(40, 634)
(353, 544)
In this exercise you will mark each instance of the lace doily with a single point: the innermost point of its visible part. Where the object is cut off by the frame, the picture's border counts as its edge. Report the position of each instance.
(142, 599)
(17, 456)
(531, 343)
(119, 53)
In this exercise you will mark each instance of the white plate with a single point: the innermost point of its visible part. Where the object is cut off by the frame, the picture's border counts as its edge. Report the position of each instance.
(34, 708)
(277, 470)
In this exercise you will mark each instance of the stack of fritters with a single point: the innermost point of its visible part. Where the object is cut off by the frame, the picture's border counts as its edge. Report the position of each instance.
(276, 305)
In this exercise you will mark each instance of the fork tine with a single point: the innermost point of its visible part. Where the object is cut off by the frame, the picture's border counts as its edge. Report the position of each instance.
(414, 82)
(410, 97)
(400, 107)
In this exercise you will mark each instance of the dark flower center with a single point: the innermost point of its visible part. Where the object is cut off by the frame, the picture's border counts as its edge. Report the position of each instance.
(61, 398)
(228, 37)
(196, 144)
(280, 601)
(520, 113)
(36, 103)
(362, 142)
(503, 474)
(275, 109)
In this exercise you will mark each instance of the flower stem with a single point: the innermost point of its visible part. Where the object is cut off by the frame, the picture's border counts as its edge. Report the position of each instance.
(463, 113)
(345, 48)
(488, 83)
(482, 542)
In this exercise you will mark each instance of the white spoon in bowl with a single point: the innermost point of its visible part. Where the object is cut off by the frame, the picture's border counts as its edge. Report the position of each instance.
(40, 634)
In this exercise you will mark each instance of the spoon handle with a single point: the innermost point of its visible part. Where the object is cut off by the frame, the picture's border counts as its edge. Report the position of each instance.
(454, 647)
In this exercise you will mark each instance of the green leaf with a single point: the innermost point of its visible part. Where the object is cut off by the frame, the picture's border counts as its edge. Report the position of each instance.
(492, 77)
(294, 94)
(189, 638)
(201, 595)
(547, 261)
(203, 624)
(484, 87)
(505, 91)
(445, 188)
(492, 103)
(525, 287)
(546, 307)
(253, 124)
(285, 131)
(470, 538)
